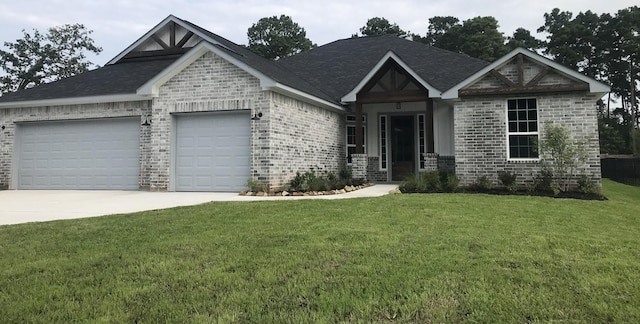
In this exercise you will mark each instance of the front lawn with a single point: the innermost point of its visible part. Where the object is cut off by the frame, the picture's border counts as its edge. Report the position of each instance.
(401, 258)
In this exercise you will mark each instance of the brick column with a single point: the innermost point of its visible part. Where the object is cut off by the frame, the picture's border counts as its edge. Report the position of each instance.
(359, 166)
(431, 161)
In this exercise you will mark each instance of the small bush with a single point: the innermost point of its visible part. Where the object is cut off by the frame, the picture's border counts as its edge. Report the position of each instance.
(256, 185)
(422, 183)
(483, 183)
(450, 182)
(587, 186)
(410, 185)
(508, 180)
(310, 181)
(544, 181)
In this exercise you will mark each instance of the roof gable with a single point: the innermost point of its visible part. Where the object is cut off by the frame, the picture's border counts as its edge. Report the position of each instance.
(351, 96)
(544, 75)
(339, 67)
(171, 34)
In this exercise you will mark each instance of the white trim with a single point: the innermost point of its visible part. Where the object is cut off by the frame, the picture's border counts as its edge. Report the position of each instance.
(157, 28)
(295, 93)
(74, 101)
(351, 96)
(594, 86)
(386, 142)
(508, 133)
(346, 135)
(151, 87)
(424, 133)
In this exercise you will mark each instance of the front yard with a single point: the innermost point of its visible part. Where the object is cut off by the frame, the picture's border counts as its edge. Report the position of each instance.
(401, 258)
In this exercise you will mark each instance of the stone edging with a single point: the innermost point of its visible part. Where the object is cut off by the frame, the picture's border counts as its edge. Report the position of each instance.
(285, 193)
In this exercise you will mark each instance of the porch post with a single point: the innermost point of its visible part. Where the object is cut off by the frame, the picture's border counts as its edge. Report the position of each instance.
(429, 126)
(359, 139)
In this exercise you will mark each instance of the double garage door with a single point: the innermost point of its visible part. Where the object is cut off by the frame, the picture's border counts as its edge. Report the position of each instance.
(84, 154)
(211, 153)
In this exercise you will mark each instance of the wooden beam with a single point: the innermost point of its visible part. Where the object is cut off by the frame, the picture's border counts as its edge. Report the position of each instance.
(520, 60)
(538, 77)
(503, 78)
(394, 80)
(429, 126)
(404, 83)
(159, 41)
(393, 96)
(359, 139)
(524, 90)
(184, 39)
(172, 34)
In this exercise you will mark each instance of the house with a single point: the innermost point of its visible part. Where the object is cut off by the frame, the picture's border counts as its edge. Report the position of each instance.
(183, 109)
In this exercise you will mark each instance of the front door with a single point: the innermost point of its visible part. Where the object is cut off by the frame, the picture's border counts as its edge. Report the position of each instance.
(403, 147)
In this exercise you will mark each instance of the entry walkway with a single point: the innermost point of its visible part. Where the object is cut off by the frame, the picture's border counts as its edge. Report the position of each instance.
(24, 206)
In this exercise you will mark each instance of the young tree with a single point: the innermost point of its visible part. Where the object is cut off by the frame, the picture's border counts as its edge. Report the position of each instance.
(381, 26)
(277, 37)
(38, 58)
(562, 154)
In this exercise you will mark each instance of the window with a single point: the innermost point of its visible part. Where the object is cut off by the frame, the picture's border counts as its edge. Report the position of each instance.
(522, 132)
(422, 139)
(351, 135)
(383, 142)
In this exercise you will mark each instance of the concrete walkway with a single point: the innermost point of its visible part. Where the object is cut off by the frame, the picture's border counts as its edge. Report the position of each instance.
(24, 206)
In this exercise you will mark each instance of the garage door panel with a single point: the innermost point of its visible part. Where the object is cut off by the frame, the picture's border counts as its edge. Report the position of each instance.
(86, 154)
(213, 151)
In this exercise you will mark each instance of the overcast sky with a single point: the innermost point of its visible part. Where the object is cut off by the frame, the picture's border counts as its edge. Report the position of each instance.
(118, 23)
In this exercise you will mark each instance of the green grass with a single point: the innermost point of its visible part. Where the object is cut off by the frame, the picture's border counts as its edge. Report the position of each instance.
(402, 258)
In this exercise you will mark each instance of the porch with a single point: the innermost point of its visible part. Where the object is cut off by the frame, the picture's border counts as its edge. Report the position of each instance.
(397, 128)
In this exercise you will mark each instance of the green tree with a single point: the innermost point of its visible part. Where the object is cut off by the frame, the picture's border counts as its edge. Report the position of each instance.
(522, 38)
(477, 37)
(277, 37)
(562, 154)
(381, 26)
(38, 58)
(481, 39)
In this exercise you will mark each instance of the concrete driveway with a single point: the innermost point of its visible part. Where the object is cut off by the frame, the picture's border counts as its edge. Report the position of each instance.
(24, 206)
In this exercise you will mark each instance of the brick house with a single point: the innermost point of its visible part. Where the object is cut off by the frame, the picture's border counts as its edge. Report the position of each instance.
(183, 109)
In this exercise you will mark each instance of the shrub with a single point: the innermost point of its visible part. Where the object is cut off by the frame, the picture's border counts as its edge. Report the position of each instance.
(450, 182)
(310, 181)
(562, 154)
(587, 186)
(483, 184)
(543, 180)
(256, 185)
(424, 182)
(508, 180)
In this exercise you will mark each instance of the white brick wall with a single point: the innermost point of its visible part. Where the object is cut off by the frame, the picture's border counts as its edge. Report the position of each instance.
(303, 137)
(481, 134)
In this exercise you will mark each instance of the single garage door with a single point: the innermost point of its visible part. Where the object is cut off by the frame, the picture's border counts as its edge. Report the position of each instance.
(82, 154)
(212, 151)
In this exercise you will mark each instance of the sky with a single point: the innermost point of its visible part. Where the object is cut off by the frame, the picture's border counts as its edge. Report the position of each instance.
(118, 23)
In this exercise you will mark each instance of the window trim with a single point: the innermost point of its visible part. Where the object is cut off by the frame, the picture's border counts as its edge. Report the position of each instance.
(352, 123)
(508, 133)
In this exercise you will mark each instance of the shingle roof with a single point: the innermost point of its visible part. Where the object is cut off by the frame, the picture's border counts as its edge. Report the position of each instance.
(120, 78)
(265, 66)
(338, 67)
(328, 72)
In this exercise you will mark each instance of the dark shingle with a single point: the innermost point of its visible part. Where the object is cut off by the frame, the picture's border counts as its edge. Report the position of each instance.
(121, 78)
(338, 67)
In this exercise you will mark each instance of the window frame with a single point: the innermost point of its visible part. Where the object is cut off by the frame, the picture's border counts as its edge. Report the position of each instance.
(352, 123)
(509, 133)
